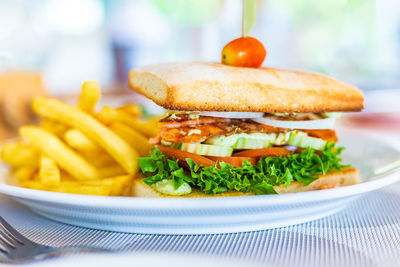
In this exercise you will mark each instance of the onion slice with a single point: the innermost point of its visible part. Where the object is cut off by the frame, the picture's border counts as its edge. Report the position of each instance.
(304, 125)
(232, 115)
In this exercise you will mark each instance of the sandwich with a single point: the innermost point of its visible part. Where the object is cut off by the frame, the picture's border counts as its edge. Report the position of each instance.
(233, 131)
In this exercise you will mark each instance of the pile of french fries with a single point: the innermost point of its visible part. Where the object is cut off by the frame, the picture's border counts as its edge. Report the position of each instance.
(78, 150)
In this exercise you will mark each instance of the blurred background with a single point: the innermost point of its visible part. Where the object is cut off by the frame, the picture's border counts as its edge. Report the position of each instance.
(65, 42)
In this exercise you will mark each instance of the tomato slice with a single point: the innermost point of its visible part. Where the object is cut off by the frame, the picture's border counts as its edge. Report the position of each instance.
(327, 134)
(183, 155)
(234, 161)
(270, 152)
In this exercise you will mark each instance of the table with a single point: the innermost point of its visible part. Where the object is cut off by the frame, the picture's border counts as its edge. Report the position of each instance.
(366, 233)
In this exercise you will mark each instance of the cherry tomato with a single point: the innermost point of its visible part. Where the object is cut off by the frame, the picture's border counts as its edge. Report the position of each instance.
(244, 52)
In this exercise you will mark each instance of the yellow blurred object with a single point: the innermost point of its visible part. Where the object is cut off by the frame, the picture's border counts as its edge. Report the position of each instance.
(17, 154)
(155, 119)
(49, 173)
(145, 127)
(54, 127)
(69, 160)
(76, 139)
(83, 189)
(71, 187)
(132, 109)
(89, 97)
(111, 186)
(104, 137)
(132, 137)
(32, 184)
(111, 170)
(24, 173)
(117, 184)
(109, 115)
(99, 159)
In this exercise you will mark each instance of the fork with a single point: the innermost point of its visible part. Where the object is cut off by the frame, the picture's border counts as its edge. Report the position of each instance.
(16, 248)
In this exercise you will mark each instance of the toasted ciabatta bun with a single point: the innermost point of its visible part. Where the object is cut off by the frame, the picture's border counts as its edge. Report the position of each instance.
(346, 176)
(216, 87)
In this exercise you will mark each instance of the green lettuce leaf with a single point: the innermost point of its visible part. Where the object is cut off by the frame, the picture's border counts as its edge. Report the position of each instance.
(260, 179)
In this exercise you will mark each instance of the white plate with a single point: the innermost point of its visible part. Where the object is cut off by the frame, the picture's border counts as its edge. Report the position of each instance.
(218, 215)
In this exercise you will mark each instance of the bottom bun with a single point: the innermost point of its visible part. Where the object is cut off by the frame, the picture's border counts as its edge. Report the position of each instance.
(346, 176)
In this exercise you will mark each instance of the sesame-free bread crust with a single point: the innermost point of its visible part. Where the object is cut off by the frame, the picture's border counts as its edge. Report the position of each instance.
(346, 176)
(217, 87)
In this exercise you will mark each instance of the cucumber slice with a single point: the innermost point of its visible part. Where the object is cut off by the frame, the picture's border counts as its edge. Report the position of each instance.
(223, 140)
(207, 150)
(332, 114)
(306, 142)
(296, 137)
(243, 140)
(315, 143)
(319, 144)
(263, 140)
(281, 139)
(248, 143)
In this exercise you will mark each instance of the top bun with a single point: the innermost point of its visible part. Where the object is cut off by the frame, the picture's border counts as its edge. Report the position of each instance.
(200, 86)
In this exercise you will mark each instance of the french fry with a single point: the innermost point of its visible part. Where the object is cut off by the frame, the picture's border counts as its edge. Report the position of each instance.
(118, 183)
(144, 127)
(132, 137)
(107, 158)
(49, 173)
(65, 157)
(76, 139)
(109, 115)
(72, 187)
(54, 109)
(18, 154)
(112, 170)
(32, 184)
(121, 184)
(155, 119)
(99, 159)
(132, 109)
(89, 97)
(54, 127)
(24, 173)
(82, 189)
